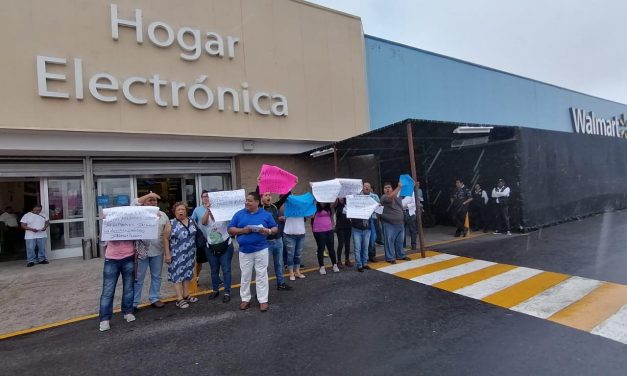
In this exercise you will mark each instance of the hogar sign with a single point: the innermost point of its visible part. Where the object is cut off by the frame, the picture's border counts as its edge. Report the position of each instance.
(105, 87)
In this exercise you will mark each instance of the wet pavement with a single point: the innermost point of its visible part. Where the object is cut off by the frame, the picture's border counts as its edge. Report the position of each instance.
(353, 323)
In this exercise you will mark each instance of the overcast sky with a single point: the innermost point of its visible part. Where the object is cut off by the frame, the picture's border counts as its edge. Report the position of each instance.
(577, 44)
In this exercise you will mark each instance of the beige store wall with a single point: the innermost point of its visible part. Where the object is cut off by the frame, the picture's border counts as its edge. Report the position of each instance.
(311, 55)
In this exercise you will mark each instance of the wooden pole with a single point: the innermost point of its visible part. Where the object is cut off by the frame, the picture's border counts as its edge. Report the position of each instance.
(335, 165)
(412, 164)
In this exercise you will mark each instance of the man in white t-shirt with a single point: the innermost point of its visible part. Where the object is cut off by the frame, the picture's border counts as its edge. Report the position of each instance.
(35, 224)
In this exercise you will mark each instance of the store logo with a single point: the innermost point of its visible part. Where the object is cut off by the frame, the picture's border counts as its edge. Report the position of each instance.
(105, 87)
(588, 123)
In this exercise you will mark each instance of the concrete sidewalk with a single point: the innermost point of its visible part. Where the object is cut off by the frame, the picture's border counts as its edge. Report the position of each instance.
(70, 288)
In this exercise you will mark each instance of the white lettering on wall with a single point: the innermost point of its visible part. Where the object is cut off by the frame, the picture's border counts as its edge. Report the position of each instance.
(104, 87)
(588, 123)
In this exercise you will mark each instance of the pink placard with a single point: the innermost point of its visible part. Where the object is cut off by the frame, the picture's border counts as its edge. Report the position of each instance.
(275, 180)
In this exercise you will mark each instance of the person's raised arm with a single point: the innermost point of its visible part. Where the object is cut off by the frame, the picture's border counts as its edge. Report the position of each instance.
(207, 215)
(141, 200)
(396, 190)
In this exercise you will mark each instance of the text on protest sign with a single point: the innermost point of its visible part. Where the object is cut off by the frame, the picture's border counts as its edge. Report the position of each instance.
(350, 187)
(326, 191)
(360, 206)
(224, 204)
(300, 206)
(275, 180)
(130, 223)
(408, 185)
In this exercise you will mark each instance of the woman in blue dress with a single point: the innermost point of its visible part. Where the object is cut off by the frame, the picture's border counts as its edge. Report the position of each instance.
(179, 239)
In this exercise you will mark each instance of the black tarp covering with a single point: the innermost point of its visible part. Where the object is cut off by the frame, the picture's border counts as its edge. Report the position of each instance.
(565, 176)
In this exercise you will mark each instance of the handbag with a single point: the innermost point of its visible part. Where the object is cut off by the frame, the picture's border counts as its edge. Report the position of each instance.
(220, 248)
(201, 245)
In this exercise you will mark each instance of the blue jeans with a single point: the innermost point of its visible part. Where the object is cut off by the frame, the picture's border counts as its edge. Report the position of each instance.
(295, 244)
(221, 262)
(40, 254)
(372, 249)
(361, 240)
(275, 247)
(394, 237)
(155, 263)
(110, 273)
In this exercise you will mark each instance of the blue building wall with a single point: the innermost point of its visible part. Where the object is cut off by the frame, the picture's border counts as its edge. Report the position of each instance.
(405, 82)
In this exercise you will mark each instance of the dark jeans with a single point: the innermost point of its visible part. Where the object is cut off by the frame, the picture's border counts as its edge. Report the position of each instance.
(374, 237)
(110, 273)
(502, 217)
(221, 262)
(478, 217)
(459, 217)
(343, 241)
(325, 240)
(411, 228)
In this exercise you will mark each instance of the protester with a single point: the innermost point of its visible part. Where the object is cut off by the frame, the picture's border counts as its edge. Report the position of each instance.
(275, 241)
(220, 252)
(35, 224)
(252, 225)
(459, 207)
(150, 254)
(478, 209)
(197, 215)
(119, 260)
(343, 232)
(179, 239)
(393, 219)
(500, 194)
(372, 250)
(294, 239)
(409, 210)
(322, 228)
(361, 239)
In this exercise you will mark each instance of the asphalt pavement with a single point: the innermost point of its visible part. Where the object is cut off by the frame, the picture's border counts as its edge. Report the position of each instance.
(354, 323)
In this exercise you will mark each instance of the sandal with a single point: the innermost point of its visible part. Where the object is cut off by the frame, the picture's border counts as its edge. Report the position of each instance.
(191, 299)
(182, 304)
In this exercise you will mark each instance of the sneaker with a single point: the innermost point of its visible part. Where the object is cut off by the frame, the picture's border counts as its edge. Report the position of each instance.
(45, 262)
(292, 277)
(335, 269)
(509, 233)
(226, 298)
(30, 264)
(323, 271)
(213, 295)
(284, 287)
(129, 317)
(104, 326)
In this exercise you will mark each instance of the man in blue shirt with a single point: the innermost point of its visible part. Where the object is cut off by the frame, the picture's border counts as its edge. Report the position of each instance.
(252, 225)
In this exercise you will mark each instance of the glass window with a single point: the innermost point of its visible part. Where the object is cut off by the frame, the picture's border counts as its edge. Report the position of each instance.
(66, 235)
(217, 182)
(113, 192)
(65, 199)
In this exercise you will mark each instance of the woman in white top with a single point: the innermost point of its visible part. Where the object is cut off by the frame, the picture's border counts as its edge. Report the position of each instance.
(294, 238)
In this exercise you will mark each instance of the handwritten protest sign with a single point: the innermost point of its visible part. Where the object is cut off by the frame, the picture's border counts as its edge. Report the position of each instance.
(130, 223)
(350, 187)
(379, 209)
(408, 185)
(224, 204)
(326, 191)
(360, 206)
(275, 180)
(300, 206)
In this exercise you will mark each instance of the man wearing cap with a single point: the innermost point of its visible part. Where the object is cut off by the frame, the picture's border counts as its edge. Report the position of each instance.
(500, 194)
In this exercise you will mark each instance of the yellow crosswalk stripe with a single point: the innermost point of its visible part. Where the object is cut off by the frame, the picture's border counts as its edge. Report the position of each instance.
(473, 277)
(518, 293)
(422, 270)
(594, 308)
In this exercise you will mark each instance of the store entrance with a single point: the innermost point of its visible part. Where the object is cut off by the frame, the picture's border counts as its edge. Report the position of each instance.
(171, 190)
(17, 197)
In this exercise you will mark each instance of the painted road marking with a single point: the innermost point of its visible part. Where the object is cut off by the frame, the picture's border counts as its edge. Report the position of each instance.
(456, 271)
(497, 283)
(581, 303)
(615, 327)
(557, 298)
